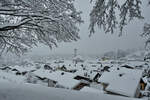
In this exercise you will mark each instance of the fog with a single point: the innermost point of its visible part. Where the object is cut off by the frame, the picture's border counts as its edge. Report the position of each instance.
(99, 42)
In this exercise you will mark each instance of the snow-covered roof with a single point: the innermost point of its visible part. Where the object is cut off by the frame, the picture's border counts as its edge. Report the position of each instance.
(41, 73)
(62, 78)
(78, 57)
(96, 86)
(133, 64)
(10, 91)
(123, 81)
(106, 61)
(11, 77)
(84, 72)
(68, 64)
(22, 69)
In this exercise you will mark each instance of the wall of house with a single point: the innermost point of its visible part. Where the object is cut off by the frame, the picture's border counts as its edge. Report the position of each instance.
(80, 86)
(104, 86)
(51, 83)
(137, 93)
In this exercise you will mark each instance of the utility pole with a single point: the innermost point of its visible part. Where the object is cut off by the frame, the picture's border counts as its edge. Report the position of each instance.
(75, 52)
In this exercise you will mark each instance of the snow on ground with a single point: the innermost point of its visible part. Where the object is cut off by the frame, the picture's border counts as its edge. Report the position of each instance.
(91, 90)
(9, 91)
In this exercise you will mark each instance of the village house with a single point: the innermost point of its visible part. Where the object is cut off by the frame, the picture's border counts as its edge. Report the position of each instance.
(135, 64)
(78, 59)
(19, 70)
(47, 67)
(87, 76)
(59, 61)
(60, 79)
(5, 68)
(67, 69)
(122, 81)
(143, 83)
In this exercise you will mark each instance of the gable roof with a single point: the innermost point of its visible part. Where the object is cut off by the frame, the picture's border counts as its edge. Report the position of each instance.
(62, 78)
(123, 81)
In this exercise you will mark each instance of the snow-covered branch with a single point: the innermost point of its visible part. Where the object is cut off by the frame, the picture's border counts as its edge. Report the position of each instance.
(37, 21)
(112, 14)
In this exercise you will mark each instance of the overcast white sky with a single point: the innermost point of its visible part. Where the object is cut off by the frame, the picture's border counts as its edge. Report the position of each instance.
(99, 42)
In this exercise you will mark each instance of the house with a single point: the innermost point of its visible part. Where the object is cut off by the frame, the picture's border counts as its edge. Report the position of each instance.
(47, 67)
(59, 79)
(83, 79)
(122, 81)
(87, 76)
(78, 59)
(15, 69)
(20, 70)
(106, 68)
(63, 68)
(147, 56)
(64, 79)
(127, 66)
(104, 58)
(6, 68)
(59, 61)
(80, 86)
(135, 64)
(143, 83)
